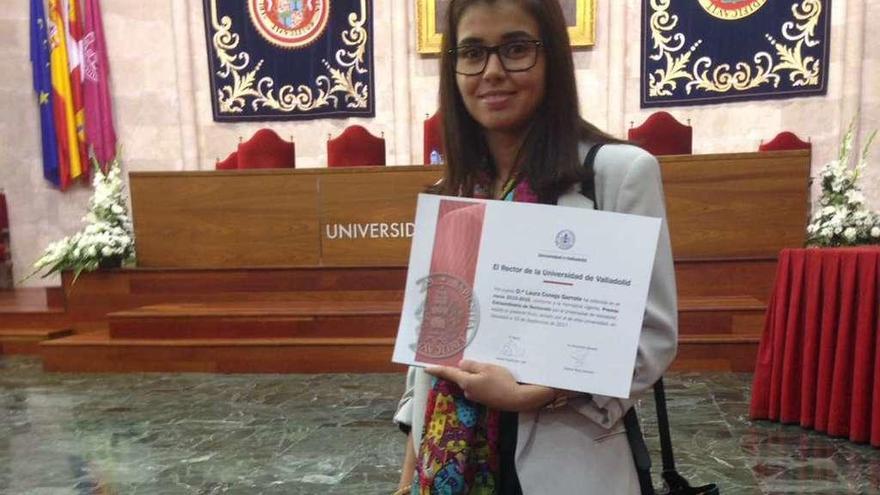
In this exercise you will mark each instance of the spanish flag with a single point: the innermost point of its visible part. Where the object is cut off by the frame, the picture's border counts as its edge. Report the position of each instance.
(70, 166)
(74, 58)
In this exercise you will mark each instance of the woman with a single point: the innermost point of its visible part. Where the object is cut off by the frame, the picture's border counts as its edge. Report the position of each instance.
(512, 131)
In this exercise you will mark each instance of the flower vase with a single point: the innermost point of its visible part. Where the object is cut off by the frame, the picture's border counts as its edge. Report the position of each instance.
(110, 263)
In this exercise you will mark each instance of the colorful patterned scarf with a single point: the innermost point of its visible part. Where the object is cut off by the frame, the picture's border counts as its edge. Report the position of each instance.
(459, 452)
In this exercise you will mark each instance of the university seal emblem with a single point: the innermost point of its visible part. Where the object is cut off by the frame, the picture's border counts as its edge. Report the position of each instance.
(290, 23)
(565, 239)
(449, 316)
(731, 10)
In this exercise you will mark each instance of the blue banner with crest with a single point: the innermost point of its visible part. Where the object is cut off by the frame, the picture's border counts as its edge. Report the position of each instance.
(697, 52)
(290, 59)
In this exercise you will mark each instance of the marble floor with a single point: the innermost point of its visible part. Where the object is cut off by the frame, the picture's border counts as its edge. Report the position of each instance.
(332, 434)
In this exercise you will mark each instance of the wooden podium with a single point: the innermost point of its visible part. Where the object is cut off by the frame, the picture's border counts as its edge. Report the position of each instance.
(719, 206)
(276, 218)
(303, 270)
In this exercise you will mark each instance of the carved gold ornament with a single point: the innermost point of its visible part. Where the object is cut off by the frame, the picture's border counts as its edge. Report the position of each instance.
(766, 67)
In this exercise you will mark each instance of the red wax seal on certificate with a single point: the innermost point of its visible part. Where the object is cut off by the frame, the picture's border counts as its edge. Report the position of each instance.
(449, 317)
(731, 10)
(290, 23)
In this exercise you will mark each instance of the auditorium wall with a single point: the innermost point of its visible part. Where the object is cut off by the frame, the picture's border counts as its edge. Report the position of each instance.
(163, 112)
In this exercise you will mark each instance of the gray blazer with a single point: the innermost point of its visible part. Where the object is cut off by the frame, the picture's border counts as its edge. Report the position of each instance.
(582, 447)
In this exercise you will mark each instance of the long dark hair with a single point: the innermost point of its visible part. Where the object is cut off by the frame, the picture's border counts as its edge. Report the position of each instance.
(548, 158)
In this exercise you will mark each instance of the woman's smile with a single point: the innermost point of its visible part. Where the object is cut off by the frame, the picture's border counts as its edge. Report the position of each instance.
(496, 100)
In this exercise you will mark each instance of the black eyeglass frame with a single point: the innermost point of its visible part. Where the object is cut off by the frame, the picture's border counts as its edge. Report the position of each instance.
(496, 49)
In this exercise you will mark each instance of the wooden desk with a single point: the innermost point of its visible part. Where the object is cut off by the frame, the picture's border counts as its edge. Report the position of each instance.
(739, 205)
(276, 218)
(743, 205)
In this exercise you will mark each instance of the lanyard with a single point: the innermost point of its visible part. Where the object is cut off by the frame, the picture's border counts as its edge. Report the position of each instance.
(508, 188)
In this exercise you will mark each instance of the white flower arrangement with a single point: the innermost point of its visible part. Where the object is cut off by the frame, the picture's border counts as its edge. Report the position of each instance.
(108, 237)
(842, 219)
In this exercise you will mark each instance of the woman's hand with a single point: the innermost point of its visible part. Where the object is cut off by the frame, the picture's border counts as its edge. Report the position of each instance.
(494, 386)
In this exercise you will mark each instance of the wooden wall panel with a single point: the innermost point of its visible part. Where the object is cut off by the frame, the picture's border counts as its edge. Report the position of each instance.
(736, 205)
(225, 219)
(730, 277)
(95, 294)
(378, 205)
(742, 205)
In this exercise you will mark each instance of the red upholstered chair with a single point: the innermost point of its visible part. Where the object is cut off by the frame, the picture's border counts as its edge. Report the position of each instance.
(433, 136)
(355, 147)
(230, 163)
(265, 149)
(661, 134)
(785, 141)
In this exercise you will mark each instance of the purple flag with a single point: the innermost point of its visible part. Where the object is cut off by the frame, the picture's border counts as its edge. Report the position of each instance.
(96, 87)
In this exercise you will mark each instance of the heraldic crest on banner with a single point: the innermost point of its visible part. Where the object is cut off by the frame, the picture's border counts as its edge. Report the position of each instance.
(269, 59)
(708, 51)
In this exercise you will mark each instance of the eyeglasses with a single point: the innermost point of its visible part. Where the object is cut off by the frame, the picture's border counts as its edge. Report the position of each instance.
(515, 56)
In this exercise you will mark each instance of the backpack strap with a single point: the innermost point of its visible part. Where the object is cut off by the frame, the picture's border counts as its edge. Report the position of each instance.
(641, 457)
(588, 186)
(676, 484)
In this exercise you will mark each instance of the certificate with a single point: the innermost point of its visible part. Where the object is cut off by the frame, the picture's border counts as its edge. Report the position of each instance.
(554, 294)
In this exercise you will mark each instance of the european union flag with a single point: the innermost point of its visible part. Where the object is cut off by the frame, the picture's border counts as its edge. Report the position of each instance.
(43, 87)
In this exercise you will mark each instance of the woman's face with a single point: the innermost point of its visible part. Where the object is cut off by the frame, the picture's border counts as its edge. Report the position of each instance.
(497, 99)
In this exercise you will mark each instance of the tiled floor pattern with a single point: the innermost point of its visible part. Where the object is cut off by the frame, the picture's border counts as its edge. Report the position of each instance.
(332, 434)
